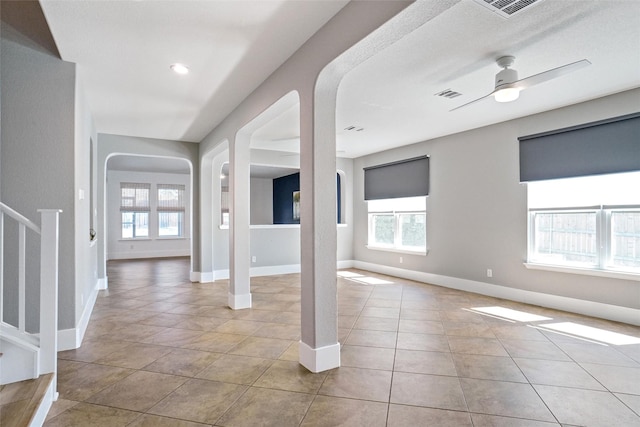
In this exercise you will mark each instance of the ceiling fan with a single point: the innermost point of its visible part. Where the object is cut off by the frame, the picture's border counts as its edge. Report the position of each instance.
(507, 86)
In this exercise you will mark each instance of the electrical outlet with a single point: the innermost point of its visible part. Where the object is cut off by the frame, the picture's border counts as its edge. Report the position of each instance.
(401, 260)
(489, 272)
(253, 259)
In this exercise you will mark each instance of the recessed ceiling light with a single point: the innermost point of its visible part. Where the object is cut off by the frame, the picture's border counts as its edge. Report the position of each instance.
(180, 69)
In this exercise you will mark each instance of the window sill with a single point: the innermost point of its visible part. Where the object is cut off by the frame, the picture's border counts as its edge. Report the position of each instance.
(172, 238)
(399, 251)
(584, 271)
(136, 239)
(226, 227)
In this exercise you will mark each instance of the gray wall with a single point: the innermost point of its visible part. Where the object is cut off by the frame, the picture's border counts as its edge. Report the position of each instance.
(477, 209)
(261, 201)
(38, 107)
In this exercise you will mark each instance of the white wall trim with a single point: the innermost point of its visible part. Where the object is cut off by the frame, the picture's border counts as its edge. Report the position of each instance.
(49, 397)
(584, 271)
(589, 308)
(148, 254)
(221, 274)
(273, 270)
(239, 302)
(103, 283)
(86, 316)
(346, 264)
(67, 339)
(319, 359)
(268, 270)
(202, 276)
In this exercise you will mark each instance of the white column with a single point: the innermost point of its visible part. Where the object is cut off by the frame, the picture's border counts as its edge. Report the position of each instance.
(319, 347)
(239, 250)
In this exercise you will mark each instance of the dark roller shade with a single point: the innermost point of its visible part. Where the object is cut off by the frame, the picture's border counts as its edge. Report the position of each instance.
(405, 178)
(606, 146)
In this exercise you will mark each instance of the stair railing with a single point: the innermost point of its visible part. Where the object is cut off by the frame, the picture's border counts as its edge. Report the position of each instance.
(49, 236)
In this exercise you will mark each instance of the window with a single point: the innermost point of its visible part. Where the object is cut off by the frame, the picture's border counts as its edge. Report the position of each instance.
(224, 195)
(134, 210)
(588, 222)
(171, 207)
(398, 224)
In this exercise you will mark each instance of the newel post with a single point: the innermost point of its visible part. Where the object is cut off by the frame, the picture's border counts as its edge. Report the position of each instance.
(49, 290)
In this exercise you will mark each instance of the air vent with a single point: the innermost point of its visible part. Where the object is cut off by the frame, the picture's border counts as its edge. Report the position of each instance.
(448, 93)
(507, 8)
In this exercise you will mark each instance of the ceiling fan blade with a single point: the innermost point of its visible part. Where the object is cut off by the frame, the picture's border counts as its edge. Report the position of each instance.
(550, 74)
(473, 102)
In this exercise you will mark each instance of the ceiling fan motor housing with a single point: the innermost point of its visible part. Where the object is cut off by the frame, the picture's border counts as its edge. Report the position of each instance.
(506, 77)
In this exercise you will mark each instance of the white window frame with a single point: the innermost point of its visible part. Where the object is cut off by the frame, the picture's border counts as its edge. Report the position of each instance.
(135, 210)
(397, 231)
(604, 233)
(171, 208)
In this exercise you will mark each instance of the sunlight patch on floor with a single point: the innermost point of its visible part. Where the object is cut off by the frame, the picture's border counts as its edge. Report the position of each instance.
(360, 278)
(371, 281)
(602, 335)
(349, 274)
(507, 313)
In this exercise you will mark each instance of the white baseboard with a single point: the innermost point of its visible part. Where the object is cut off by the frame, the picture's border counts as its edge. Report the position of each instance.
(345, 264)
(271, 270)
(202, 276)
(274, 270)
(319, 359)
(69, 339)
(50, 396)
(148, 254)
(103, 283)
(574, 305)
(220, 274)
(86, 315)
(238, 302)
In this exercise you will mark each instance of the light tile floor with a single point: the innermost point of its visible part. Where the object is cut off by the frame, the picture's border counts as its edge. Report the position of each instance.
(161, 351)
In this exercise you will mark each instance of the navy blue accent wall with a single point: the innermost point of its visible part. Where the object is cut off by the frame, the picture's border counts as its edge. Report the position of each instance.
(283, 189)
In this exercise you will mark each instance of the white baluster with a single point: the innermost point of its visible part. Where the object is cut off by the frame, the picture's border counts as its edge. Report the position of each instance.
(22, 240)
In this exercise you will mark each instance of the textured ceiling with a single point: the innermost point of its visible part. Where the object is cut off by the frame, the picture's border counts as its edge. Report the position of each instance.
(391, 96)
(124, 48)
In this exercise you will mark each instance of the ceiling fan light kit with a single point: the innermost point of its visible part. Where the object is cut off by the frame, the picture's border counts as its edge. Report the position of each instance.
(507, 94)
(503, 89)
(507, 86)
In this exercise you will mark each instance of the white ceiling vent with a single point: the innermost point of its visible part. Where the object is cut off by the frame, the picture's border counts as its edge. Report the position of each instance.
(507, 8)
